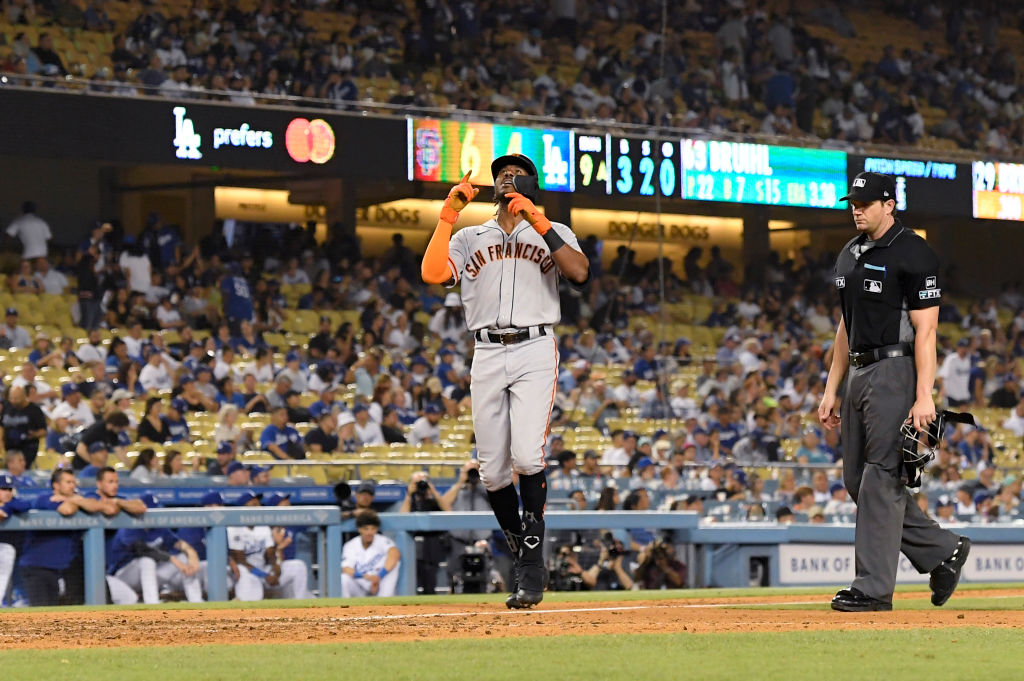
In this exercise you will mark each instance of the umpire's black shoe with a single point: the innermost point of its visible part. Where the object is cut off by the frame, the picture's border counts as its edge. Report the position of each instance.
(944, 578)
(853, 600)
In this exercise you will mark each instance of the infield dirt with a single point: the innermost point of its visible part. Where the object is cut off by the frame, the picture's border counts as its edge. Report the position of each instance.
(113, 628)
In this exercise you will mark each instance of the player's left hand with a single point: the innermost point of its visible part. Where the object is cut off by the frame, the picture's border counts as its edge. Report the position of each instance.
(922, 413)
(520, 205)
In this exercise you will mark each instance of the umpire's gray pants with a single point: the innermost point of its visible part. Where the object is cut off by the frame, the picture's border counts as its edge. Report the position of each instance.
(877, 401)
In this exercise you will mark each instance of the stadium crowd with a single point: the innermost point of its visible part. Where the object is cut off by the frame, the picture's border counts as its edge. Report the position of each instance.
(720, 66)
(165, 372)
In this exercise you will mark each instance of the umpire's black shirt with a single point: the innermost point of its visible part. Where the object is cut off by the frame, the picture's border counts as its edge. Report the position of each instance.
(879, 282)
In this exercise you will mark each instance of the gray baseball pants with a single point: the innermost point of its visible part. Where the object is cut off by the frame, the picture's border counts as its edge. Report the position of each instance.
(877, 400)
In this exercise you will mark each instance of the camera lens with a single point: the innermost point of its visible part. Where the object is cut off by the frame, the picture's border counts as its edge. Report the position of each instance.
(422, 486)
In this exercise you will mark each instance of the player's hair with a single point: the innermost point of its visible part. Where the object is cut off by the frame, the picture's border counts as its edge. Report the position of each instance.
(57, 473)
(103, 471)
(367, 517)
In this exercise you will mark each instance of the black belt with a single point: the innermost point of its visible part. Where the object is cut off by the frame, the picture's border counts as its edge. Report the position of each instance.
(863, 359)
(511, 336)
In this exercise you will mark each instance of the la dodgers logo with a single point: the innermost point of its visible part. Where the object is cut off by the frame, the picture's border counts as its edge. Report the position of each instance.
(186, 141)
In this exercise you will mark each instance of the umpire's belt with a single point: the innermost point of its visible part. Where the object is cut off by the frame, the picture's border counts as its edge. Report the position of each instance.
(512, 336)
(862, 359)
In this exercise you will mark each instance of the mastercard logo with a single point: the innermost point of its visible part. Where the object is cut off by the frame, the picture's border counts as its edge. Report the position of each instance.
(309, 140)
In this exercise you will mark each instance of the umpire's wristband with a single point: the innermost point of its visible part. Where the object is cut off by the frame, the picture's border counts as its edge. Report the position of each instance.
(552, 239)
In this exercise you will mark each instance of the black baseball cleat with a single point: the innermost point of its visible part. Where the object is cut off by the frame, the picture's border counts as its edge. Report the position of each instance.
(532, 575)
(532, 580)
(944, 578)
(512, 602)
(853, 600)
(515, 545)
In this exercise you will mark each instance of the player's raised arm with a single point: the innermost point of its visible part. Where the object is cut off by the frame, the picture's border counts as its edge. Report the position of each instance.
(435, 268)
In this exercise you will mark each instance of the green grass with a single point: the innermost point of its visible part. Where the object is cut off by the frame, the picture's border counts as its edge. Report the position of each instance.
(550, 597)
(935, 655)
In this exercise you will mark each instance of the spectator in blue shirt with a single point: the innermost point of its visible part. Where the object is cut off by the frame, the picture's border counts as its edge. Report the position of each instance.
(726, 354)
(280, 438)
(729, 433)
(570, 377)
(646, 367)
(177, 426)
(237, 296)
(98, 453)
(975, 448)
(810, 450)
(445, 371)
(168, 242)
(15, 466)
(196, 356)
(326, 403)
(247, 342)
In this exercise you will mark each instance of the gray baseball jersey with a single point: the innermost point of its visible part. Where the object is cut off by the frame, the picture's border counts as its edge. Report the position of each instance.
(508, 280)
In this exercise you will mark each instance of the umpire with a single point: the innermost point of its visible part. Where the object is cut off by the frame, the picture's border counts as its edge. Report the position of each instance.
(887, 280)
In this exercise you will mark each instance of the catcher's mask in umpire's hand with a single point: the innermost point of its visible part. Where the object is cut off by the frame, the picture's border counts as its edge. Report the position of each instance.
(919, 447)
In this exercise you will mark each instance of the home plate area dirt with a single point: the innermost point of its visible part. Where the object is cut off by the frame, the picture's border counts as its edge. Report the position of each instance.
(111, 628)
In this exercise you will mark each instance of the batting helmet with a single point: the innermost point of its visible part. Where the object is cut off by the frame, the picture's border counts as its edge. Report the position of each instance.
(520, 160)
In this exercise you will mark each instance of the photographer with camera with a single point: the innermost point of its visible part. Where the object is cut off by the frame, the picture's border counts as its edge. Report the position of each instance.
(431, 547)
(659, 568)
(468, 562)
(609, 573)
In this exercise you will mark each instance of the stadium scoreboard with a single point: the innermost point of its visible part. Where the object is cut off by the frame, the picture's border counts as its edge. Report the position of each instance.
(739, 172)
(922, 186)
(998, 190)
(609, 165)
(604, 164)
(444, 151)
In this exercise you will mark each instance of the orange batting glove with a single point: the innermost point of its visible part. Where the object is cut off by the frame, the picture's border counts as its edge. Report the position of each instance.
(524, 206)
(458, 198)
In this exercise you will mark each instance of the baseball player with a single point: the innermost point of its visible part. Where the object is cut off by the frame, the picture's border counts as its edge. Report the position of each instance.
(509, 268)
(146, 560)
(49, 556)
(369, 562)
(256, 563)
(10, 541)
(888, 286)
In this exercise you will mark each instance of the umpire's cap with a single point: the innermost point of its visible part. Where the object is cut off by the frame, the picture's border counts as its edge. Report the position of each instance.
(514, 160)
(871, 187)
